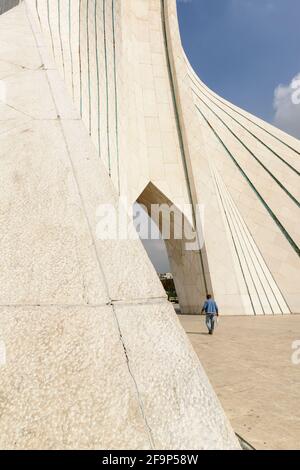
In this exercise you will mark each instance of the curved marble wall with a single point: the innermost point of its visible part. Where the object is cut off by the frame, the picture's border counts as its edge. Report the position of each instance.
(267, 166)
(254, 170)
(127, 73)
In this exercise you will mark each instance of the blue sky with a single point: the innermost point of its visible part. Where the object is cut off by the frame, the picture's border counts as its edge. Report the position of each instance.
(244, 50)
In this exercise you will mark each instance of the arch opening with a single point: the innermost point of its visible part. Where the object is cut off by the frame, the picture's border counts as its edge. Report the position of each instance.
(177, 234)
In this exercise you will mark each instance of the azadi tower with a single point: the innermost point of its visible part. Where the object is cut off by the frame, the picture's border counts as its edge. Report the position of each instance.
(98, 100)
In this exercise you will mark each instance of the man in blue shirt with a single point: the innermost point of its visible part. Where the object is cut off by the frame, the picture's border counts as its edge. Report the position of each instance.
(211, 311)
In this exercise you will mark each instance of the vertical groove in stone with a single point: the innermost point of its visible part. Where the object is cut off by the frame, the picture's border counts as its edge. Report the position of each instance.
(235, 245)
(98, 79)
(70, 47)
(163, 14)
(281, 185)
(244, 127)
(60, 38)
(50, 29)
(267, 207)
(107, 87)
(236, 111)
(239, 237)
(79, 53)
(89, 67)
(116, 93)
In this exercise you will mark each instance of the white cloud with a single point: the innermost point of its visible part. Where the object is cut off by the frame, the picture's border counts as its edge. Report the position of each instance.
(287, 107)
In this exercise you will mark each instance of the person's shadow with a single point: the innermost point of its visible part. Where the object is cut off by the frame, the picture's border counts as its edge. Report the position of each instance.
(196, 333)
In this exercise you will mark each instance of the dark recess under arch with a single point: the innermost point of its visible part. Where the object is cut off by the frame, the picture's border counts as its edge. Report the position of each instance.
(6, 5)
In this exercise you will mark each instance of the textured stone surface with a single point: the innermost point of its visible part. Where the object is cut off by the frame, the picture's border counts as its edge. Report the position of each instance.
(66, 382)
(182, 396)
(48, 257)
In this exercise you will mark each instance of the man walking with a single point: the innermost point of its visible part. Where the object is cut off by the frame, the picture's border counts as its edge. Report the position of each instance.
(211, 310)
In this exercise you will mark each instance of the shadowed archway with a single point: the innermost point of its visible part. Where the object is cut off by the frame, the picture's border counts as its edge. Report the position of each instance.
(184, 255)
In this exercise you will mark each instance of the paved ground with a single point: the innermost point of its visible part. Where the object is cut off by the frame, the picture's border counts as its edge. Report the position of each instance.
(249, 362)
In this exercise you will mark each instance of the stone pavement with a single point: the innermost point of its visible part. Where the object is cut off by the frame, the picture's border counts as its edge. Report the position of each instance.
(249, 362)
